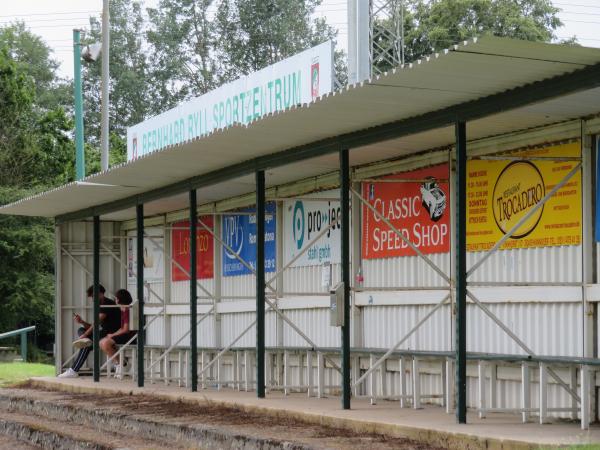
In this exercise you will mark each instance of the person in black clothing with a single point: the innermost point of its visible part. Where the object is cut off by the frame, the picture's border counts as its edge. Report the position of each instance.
(110, 322)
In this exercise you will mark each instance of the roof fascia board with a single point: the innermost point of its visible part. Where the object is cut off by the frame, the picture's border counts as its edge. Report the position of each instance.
(579, 80)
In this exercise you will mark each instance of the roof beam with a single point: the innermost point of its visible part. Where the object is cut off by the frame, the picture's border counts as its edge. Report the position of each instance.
(569, 83)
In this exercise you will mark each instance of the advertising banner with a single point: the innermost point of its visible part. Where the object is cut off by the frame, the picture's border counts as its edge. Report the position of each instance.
(501, 193)
(295, 80)
(418, 209)
(303, 220)
(180, 250)
(153, 256)
(239, 233)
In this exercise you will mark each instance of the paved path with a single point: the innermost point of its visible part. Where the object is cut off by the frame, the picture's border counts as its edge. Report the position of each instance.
(430, 424)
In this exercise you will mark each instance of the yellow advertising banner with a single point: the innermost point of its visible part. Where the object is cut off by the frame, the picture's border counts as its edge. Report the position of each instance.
(501, 192)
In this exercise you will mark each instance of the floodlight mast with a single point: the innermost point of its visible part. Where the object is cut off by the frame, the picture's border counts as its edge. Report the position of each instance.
(105, 81)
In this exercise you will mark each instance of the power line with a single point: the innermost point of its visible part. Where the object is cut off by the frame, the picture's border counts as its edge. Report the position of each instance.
(52, 14)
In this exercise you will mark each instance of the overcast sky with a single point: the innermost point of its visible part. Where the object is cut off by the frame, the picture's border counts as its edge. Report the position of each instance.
(54, 21)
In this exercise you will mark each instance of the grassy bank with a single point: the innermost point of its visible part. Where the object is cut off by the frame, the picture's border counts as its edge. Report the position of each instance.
(15, 372)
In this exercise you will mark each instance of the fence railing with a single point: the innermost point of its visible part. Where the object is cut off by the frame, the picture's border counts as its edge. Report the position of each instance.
(23, 333)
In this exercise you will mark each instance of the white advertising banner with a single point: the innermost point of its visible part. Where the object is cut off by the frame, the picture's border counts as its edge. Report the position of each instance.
(295, 80)
(154, 269)
(303, 221)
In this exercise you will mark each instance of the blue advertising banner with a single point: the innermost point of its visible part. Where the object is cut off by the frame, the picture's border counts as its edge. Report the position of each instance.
(239, 233)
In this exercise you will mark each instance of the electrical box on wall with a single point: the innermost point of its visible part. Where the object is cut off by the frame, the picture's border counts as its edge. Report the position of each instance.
(336, 305)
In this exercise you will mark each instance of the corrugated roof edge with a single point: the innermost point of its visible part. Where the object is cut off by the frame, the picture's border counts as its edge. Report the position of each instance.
(454, 48)
(268, 116)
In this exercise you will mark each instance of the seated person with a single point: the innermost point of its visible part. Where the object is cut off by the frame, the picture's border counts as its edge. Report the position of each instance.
(110, 319)
(121, 336)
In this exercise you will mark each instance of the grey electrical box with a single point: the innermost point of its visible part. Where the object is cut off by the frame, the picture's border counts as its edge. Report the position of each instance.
(336, 305)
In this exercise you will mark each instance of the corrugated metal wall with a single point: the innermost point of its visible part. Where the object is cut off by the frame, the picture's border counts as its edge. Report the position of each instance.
(76, 275)
(549, 325)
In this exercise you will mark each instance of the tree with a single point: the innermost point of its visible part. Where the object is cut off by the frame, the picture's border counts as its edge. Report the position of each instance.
(256, 33)
(129, 94)
(35, 59)
(184, 62)
(432, 25)
(27, 267)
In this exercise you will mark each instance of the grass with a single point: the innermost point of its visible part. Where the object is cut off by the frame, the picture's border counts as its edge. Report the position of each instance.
(15, 372)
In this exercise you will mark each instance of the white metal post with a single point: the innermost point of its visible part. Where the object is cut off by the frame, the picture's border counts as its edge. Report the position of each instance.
(309, 372)
(525, 392)
(416, 381)
(372, 381)
(585, 398)
(493, 385)
(574, 402)
(449, 385)
(481, 385)
(104, 136)
(543, 386)
(355, 374)
(382, 380)
(403, 391)
(286, 372)
(320, 375)
(248, 371)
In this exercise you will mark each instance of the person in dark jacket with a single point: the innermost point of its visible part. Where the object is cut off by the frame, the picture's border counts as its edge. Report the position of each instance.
(110, 319)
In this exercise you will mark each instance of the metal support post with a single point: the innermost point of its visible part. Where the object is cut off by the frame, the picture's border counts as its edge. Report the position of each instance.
(260, 284)
(573, 384)
(320, 375)
(139, 210)
(449, 386)
(543, 385)
(493, 384)
(525, 392)
(373, 381)
(345, 259)
(461, 273)
(24, 346)
(286, 372)
(193, 291)
(96, 277)
(585, 397)
(403, 391)
(79, 152)
(481, 386)
(309, 372)
(104, 137)
(416, 382)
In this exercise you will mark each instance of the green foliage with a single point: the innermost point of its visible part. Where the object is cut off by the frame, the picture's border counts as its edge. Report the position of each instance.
(35, 146)
(256, 33)
(432, 25)
(27, 267)
(129, 94)
(34, 58)
(182, 40)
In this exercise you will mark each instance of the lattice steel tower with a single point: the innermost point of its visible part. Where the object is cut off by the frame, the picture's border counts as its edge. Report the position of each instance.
(386, 34)
(375, 37)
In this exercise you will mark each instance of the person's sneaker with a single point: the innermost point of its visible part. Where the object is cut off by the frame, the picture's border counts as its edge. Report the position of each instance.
(69, 373)
(82, 343)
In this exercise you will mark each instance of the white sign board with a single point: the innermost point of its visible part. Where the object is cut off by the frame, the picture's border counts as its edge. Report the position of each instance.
(295, 80)
(154, 269)
(303, 221)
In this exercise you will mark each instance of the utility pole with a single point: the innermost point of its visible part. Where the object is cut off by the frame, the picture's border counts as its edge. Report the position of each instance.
(105, 82)
(79, 151)
(359, 64)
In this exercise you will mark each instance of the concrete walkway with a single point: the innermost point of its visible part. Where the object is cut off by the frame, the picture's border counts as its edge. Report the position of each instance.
(430, 424)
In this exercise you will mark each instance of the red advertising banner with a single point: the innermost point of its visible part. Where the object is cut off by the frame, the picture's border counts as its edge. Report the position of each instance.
(180, 250)
(419, 209)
